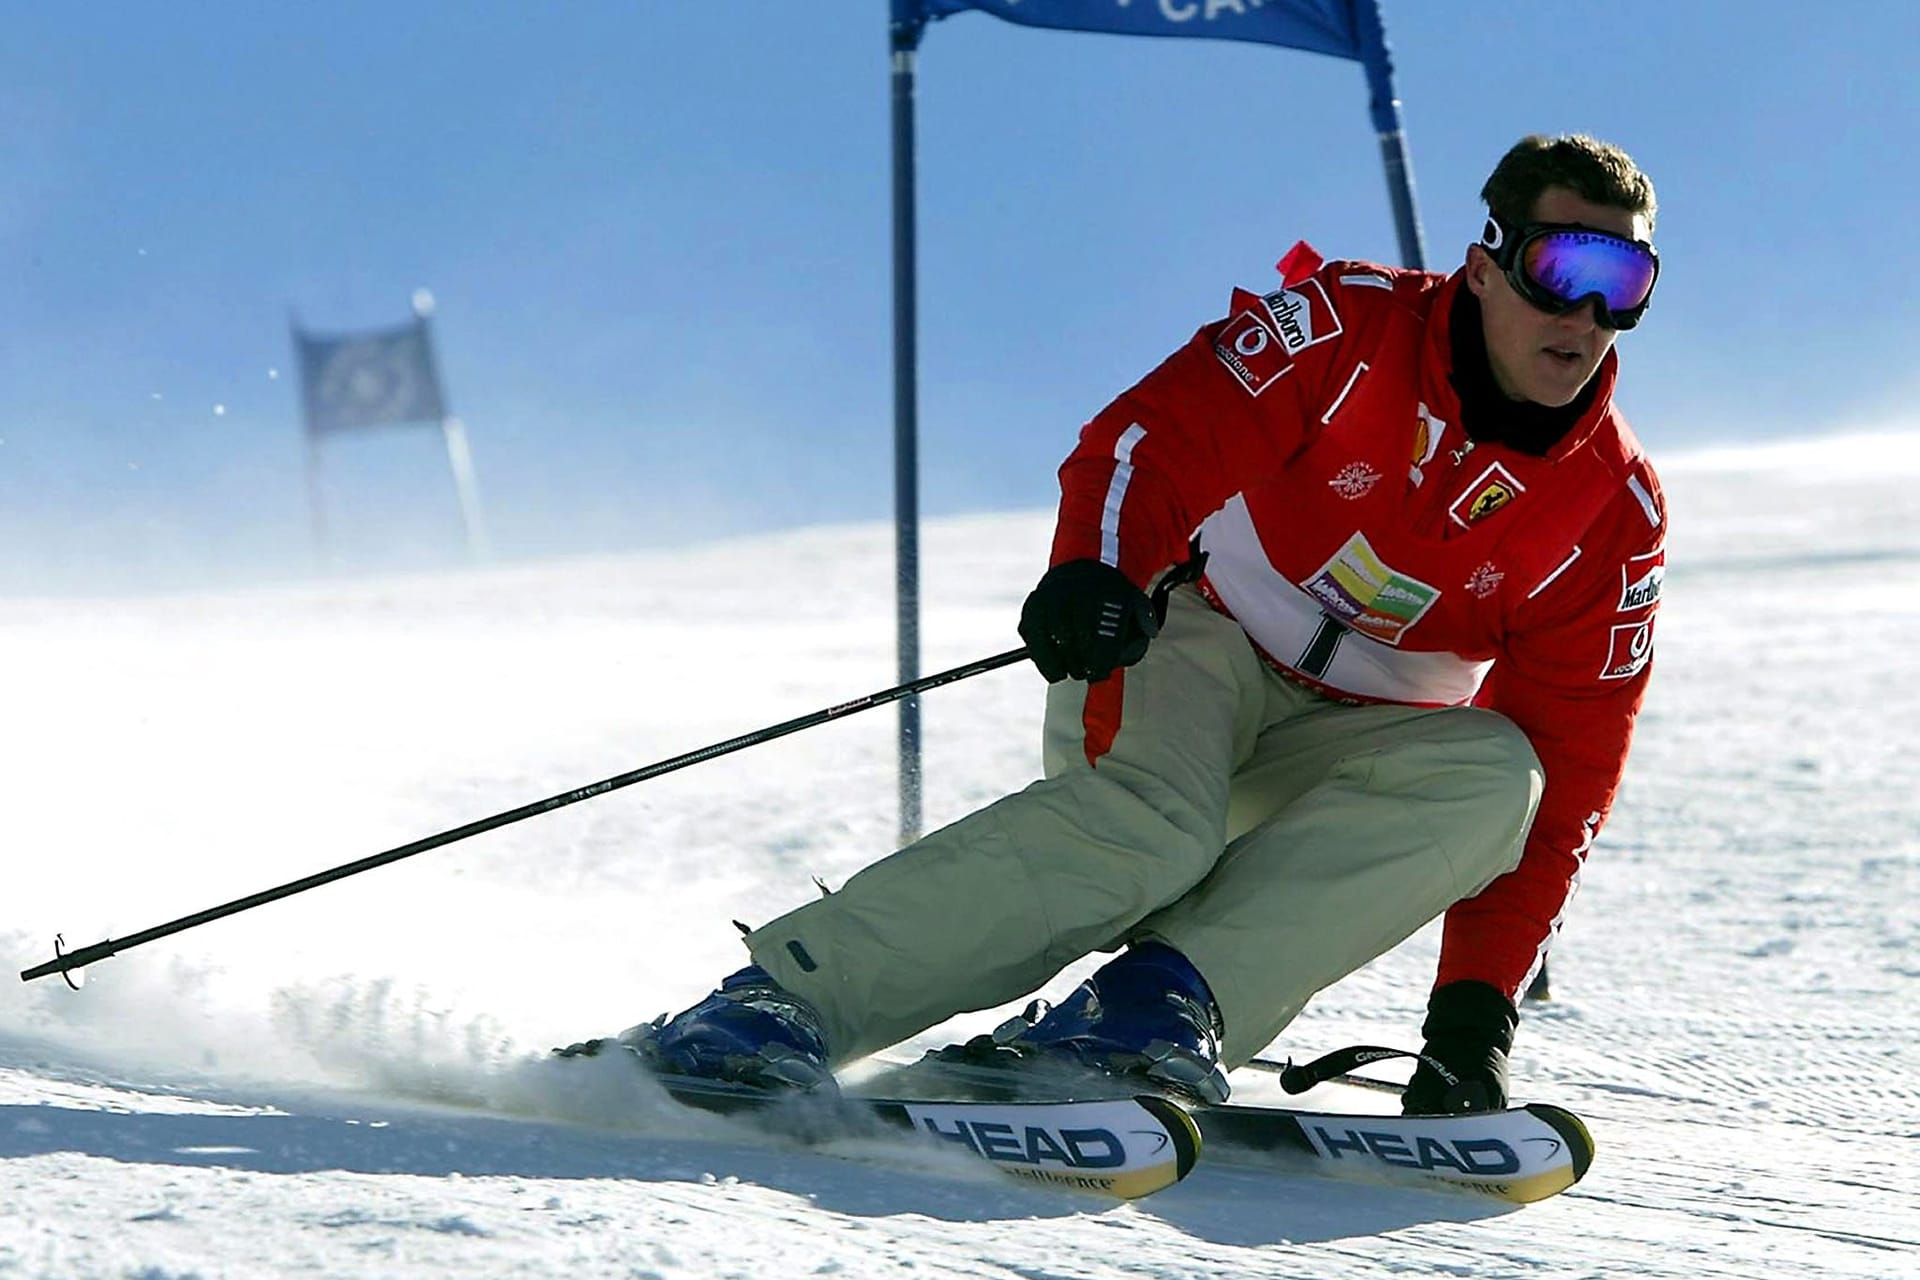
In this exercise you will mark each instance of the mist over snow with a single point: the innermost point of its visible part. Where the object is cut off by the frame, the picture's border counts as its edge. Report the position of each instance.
(351, 1082)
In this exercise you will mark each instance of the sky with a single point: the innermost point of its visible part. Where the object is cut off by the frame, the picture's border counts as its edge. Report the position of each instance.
(657, 240)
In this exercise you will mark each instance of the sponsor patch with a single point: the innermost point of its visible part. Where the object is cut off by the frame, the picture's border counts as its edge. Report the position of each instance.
(1252, 352)
(1355, 587)
(1355, 480)
(1491, 490)
(1640, 580)
(1484, 581)
(1303, 315)
(1629, 649)
(1426, 442)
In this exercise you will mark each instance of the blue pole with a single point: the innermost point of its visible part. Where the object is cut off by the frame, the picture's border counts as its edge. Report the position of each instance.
(907, 24)
(1385, 108)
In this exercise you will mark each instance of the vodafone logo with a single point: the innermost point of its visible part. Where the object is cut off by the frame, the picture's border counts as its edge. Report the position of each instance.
(1251, 352)
(1629, 648)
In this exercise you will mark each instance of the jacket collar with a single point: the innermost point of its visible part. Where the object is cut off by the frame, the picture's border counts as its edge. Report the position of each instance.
(1443, 398)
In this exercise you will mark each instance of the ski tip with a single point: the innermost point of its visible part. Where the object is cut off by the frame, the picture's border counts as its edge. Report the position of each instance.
(1181, 1127)
(1572, 1130)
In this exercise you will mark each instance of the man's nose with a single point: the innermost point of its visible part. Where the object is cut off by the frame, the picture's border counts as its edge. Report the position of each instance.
(1584, 316)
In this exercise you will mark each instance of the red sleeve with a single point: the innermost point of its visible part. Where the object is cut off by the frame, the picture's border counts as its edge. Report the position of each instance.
(1223, 410)
(1572, 677)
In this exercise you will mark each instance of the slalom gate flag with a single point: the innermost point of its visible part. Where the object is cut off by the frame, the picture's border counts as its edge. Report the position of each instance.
(369, 379)
(1316, 26)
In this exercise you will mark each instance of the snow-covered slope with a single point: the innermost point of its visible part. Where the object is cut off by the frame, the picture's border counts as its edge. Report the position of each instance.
(348, 1083)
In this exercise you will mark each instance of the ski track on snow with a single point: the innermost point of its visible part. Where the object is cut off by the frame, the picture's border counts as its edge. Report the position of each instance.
(347, 1083)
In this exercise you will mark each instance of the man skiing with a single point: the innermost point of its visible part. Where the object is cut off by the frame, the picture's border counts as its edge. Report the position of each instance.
(1407, 556)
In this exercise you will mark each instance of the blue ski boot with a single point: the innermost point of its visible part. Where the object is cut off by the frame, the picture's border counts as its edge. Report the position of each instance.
(752, 1031)
(1147, 1013)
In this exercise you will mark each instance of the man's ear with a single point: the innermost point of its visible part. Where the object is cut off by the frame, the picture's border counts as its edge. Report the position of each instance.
(1481, 269)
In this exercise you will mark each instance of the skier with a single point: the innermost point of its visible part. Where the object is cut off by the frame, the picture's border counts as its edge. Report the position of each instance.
(1409, 555)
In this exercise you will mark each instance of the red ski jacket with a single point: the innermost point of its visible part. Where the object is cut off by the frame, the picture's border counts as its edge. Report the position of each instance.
(1312, 443)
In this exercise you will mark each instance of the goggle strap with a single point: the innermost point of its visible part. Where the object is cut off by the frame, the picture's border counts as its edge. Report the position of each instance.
(1494, 235)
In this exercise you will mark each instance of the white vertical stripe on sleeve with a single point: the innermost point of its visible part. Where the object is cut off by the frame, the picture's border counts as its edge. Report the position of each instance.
(1646, 500)
(1117, 493)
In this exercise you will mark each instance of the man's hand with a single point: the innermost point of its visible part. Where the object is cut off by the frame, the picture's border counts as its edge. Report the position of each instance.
(1085, 619)
(1469, 1031)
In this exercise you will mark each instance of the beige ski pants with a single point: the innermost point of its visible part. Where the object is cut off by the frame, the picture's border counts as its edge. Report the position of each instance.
(1276, 838)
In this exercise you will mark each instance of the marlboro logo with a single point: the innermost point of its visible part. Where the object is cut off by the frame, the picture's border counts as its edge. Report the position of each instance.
(1303, 315)
(1640, 580)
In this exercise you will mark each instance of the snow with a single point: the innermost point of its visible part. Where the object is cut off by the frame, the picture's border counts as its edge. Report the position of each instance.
(350, 1082)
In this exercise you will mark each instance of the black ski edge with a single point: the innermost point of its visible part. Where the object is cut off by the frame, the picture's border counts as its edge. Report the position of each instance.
(1252, 1128)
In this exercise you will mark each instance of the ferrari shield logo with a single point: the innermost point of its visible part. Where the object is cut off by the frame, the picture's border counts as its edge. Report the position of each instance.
(1493, 489)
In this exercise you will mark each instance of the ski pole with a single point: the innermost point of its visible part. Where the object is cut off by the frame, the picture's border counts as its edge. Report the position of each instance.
(1339, 1065)
(64, 962)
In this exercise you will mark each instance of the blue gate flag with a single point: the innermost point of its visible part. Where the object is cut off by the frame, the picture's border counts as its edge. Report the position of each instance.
(1317, 26)
(369, 379)
(1350, 29)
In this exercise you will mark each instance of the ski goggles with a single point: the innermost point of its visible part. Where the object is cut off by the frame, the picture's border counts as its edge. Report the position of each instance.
(1558, 266)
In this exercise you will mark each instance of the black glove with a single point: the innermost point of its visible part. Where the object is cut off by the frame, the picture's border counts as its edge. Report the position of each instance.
(1084, 619)
(1469, 1031)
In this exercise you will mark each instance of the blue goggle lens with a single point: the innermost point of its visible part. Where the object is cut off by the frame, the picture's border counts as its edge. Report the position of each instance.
(1572, 265)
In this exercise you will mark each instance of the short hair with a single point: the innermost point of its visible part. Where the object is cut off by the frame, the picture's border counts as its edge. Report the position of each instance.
(1593, 170)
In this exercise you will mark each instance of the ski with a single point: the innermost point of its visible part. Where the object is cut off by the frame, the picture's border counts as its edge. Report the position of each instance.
(1521, 1154)
(1060, 1125)
(1123, 1147)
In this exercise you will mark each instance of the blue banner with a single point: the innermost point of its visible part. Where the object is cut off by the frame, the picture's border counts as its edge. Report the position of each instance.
(1335, 27)
(369, 379)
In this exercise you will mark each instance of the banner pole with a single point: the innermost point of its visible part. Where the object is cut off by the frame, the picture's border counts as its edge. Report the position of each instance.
(1385, 109)
(906, 31)
(316, 504)
(460, 459)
